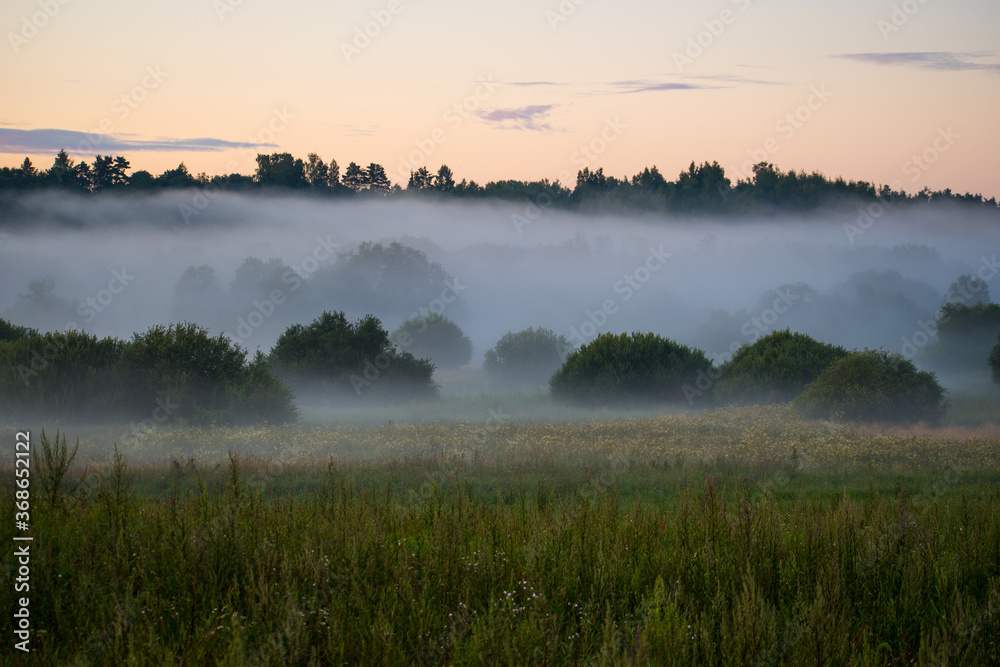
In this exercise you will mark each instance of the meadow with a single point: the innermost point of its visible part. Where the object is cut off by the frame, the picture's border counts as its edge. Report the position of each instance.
(732, 536)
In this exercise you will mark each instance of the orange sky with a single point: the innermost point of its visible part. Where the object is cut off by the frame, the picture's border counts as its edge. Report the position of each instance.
(519, 90)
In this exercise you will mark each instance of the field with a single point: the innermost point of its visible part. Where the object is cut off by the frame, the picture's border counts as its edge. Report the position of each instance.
(736, 536)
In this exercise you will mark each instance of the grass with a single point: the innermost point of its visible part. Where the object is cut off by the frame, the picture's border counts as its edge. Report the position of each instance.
(741, 536)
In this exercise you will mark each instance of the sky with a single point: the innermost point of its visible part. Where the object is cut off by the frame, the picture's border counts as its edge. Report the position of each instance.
(903, 92)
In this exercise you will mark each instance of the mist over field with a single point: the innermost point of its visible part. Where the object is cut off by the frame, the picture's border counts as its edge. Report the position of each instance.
(122, 264)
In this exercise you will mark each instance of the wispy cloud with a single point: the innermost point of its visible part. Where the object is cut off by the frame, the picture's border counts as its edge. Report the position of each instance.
(628, 87)
(526, 84)
(523, 118)
(652, 85)
(85, 143)
(356, 130)
(735, 78)
(936, 60)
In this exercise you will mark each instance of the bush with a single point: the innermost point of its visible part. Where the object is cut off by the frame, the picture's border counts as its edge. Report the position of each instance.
(528, 357)
(208, 379)
(176, 372)
(63, 375)
(874, 385)
(10, 332)
(774, 369)
(333, 355)
(436, 338)
(628, 369)
(994, 361)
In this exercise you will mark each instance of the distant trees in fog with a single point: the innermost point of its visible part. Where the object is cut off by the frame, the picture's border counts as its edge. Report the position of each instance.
(703, 188)
(965, 335)
(435, 337)
(526, 358)
(393, 280)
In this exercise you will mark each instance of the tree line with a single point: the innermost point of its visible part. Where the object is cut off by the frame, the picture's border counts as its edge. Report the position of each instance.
(703, 188)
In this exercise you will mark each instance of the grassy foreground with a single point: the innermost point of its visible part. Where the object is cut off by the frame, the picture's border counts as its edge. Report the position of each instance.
(734, 537)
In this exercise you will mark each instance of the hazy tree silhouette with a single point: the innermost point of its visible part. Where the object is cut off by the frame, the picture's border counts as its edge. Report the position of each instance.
(444, 181)
(378, 181)
(421, 179)
(394, 280)
(435, 337)
(197, 296)
(281, 170)
(968, 291)
(41, 308)
(355, 177)
(316, 171)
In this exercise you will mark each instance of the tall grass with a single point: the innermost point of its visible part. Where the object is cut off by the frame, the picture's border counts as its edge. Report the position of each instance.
(525, 557)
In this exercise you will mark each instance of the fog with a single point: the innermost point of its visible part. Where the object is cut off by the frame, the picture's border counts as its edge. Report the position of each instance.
(116, 265)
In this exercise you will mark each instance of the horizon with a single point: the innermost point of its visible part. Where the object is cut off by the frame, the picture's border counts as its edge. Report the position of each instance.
(535, 90)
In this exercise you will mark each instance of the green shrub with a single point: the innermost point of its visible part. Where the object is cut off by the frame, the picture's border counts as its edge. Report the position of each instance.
(176, 373)
(261, 396)
(62, 375)
(202, 379)
(184, 364)
(632, 368)
(436, 338)
(774, 369)
(10, 332)
(527, 358)
(874, 385)
(333, 355)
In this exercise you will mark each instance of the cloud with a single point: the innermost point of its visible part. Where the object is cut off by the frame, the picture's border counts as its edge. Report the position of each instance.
(647, 85)
(522, 118)
(628, 87)
(355, 130)
(86, 143)
(537, 83)
(735, 78)
(936, 60)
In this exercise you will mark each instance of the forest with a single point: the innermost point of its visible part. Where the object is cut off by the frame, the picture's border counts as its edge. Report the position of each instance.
(703, 188)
